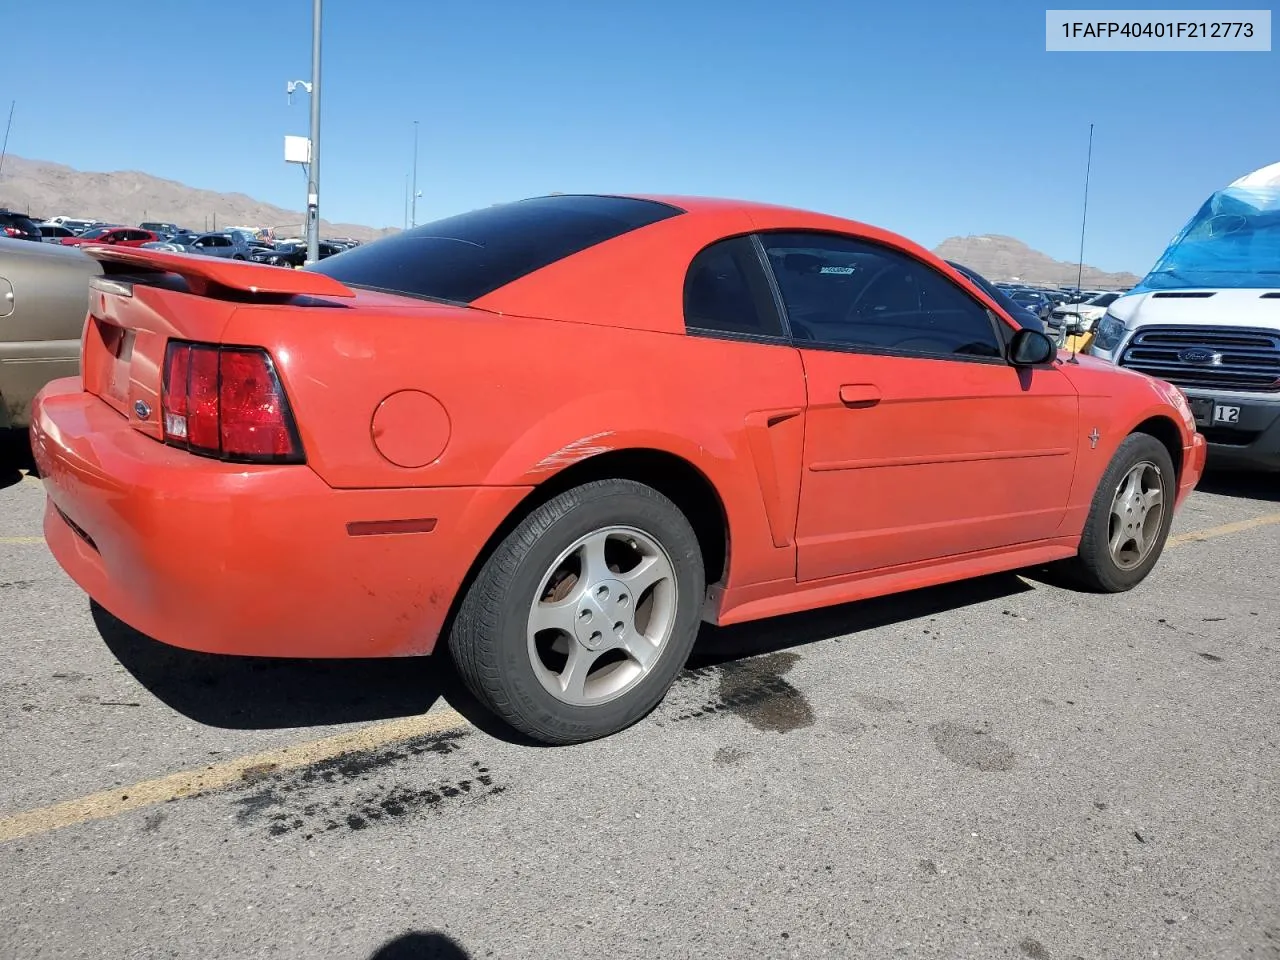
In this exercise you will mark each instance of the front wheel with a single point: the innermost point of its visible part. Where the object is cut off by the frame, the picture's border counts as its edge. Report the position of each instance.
(580, 619)
(1129, 518)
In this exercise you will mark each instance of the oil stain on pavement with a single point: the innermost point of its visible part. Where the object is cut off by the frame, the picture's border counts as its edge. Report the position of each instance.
(971, 745)
(345, 793)
(728, 756)
(755, 690)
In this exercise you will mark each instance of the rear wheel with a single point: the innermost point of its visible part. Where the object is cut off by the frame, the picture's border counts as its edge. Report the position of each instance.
(1129, 518)
(580, 619)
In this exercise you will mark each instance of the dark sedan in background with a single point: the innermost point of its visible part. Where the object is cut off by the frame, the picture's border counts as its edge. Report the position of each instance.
(294, 254)
(18, 226)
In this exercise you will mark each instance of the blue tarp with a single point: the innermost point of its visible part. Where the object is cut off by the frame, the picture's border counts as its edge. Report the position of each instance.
(1233, 241)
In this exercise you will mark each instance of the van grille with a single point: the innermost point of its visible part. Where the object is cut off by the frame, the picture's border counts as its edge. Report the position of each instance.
(1223, 358)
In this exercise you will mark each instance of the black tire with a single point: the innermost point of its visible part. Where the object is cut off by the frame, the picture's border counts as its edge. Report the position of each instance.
(489, 642)
(1093, 567)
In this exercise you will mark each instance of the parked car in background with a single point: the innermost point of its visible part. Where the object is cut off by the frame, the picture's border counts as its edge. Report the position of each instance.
(261, 236)
(293, 254)
(406, 430)
(1025, 317)
(74, 224)
(161, 227)
(112, 236)
(1086, 314)
(54, 233)
(1032, 300)
(18, 226)
(229, 246)
(44, 293)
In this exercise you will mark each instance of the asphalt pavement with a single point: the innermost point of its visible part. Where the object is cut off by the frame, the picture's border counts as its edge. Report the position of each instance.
(999, 768)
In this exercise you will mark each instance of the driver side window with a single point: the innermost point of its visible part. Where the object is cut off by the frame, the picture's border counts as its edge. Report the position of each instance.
(844, 292)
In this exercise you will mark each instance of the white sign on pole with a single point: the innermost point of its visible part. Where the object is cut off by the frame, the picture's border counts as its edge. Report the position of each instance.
(297, 149)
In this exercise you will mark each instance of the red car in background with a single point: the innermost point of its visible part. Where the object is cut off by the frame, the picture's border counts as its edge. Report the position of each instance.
(559, 434)
(114, 236)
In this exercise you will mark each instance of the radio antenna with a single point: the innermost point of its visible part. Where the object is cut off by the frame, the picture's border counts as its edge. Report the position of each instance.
(4, 151)
(1084, 216)
(1084, 219)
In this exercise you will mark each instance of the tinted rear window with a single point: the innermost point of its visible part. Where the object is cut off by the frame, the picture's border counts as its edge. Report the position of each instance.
(465, 257)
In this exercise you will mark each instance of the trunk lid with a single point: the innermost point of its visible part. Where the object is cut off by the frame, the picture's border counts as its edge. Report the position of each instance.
(145, 298)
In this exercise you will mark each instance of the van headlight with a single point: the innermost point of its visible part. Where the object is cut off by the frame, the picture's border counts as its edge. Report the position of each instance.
(1109, 332)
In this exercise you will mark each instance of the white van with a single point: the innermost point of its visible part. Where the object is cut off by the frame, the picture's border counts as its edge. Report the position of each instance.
(1207, 318)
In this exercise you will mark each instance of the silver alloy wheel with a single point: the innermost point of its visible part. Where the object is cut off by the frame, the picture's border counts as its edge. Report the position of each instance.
(602, 616)
(1137, 512)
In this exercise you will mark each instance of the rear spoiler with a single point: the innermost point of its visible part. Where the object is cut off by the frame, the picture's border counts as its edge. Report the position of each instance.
(204, 275)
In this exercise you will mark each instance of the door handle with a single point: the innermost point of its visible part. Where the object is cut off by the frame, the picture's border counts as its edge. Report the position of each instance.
(859, 394)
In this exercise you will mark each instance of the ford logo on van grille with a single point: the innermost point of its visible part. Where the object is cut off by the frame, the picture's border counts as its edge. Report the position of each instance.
(1199, 355)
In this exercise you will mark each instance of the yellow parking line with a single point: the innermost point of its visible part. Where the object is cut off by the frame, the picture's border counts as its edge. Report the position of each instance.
(192, 783)
(1209, 533)
(16, 540)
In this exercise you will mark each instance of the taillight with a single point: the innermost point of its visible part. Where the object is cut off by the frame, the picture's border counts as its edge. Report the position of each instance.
(227, 402)
(13, 232)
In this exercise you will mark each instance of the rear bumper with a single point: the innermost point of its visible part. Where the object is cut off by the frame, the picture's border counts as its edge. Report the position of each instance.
(248, 560)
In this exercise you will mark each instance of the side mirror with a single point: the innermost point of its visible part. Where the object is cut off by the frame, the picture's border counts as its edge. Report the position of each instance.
(1075, 328)
(1030, 348)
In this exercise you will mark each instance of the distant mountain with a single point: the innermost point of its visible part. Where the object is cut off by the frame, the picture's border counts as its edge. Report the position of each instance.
(128, 196)
(1004, 258)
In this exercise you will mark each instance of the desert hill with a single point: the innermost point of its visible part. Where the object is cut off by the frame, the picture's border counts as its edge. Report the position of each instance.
(1004, 258)
(129, 196)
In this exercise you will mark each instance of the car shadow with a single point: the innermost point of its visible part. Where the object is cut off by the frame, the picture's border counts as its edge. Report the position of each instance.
(15, 456)
(245, 693)
(1245, 486)
(421, 946)
(260, 693)
(719, 645)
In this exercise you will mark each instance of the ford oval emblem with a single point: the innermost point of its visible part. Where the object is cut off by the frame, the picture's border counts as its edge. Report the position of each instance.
(142, 409)
(1197, 355)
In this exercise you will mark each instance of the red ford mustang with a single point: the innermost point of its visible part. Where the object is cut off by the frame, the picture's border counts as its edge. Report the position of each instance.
(560, 433)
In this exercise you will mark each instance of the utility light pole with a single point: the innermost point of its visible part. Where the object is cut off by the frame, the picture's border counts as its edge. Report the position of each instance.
(313, 167)
(413, 218)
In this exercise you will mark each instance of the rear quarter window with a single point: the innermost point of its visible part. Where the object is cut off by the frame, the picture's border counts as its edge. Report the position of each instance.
(465, 257)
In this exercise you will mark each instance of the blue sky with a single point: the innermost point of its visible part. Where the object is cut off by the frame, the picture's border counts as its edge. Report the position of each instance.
(931, 119)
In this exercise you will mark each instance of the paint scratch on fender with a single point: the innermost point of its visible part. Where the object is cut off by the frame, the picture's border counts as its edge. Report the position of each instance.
(571, 453)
